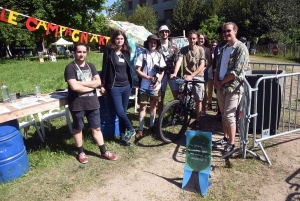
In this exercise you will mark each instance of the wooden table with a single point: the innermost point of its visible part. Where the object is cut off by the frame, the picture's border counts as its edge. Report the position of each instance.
(43, 106)
(15, 113)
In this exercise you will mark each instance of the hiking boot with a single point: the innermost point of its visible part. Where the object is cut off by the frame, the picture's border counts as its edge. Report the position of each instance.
(82, 158)
(139, 134)
(125, 143)
(129, 135)
(228, 150)
(109, 156)
(220, 143)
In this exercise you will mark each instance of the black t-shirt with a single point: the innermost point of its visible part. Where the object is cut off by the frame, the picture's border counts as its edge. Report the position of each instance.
(121, 79)
(81, 101)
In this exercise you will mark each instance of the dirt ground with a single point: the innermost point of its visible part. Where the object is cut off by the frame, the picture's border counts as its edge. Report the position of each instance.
(158, 173)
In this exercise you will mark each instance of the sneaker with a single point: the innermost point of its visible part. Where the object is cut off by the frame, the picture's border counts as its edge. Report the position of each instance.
(139, 134)
(82, 158)
(109, 156)
(129, 135)
(125, 143)
(228, 150)
(220, 143)
(202, 113)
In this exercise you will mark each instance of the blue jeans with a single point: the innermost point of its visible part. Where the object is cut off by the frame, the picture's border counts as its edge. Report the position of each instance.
(120, 98)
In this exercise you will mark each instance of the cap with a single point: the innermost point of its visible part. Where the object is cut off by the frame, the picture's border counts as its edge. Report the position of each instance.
(243, 39)
(164, 27)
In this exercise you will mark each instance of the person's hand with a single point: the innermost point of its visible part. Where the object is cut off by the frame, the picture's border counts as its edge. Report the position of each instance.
(172, 76)
(155, 85)
(218, 84)
(102, 90)
(188, 77)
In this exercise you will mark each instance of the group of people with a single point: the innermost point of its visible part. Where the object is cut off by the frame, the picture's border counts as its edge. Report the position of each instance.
(221, 66)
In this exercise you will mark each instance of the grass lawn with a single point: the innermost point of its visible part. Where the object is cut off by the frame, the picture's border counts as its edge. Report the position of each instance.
(54, 173)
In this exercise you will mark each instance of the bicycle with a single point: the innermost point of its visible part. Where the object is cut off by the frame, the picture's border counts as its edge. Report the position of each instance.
(174, 118)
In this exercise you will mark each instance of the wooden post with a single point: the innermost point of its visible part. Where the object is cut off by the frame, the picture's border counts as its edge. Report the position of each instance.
(183, 33)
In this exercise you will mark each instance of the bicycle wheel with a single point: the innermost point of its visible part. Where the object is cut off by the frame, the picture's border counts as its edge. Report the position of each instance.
(172, 121)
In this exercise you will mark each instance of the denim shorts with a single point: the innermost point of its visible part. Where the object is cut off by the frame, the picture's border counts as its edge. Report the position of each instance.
(93, 118)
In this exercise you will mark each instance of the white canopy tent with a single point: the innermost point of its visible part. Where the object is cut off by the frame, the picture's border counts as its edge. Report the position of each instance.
(62, 41)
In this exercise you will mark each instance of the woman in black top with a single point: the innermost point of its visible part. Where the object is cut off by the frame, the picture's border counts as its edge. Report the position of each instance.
(116, 79)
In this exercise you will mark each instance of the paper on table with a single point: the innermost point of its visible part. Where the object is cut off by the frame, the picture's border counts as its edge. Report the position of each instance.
(24, 104)
(4, 109)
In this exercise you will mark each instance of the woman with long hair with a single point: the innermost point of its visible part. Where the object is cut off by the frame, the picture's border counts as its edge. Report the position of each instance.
(204, 43)
(116, 79)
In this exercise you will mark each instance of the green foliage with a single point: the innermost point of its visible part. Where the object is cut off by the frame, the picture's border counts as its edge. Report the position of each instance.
(209, 27)
(184, 15)
(117, 11)
(77, 14)
(145, 16)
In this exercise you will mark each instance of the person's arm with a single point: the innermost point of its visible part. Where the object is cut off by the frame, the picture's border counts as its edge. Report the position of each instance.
(96, 82)
(177, 67)
(209, 60)
(104, 66)
(240, 63)
(78, 87)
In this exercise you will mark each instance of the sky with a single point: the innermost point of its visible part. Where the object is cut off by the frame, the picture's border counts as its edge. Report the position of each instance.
(108, 3)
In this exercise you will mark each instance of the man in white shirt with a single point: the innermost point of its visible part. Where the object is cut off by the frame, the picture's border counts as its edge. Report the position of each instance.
(149, 67)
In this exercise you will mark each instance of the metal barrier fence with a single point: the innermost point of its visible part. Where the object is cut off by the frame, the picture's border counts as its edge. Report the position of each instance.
(269, 107)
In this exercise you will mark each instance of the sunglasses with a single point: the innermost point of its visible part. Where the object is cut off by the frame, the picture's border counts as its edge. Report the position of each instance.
(226, 31)
(164, 31)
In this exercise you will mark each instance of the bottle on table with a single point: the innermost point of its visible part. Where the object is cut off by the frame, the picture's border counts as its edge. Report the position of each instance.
(5, 94)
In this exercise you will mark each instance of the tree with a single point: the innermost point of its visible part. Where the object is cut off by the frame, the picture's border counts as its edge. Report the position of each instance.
(78, 14)
(184, 15)
(145, 16)
(210, 26)
(117, 11)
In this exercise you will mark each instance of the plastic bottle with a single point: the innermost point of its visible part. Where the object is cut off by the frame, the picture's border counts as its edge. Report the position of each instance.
(5, 94)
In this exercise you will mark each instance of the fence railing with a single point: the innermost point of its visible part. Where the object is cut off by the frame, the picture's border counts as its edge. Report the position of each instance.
(269, 107)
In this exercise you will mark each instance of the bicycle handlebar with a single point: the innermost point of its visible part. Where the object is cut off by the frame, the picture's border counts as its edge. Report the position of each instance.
(193, 81)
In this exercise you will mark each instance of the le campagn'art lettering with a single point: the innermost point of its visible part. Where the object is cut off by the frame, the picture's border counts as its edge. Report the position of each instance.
(33, 24)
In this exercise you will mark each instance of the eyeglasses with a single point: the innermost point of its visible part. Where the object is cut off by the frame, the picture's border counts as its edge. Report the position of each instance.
(226, 31)
(164, 31)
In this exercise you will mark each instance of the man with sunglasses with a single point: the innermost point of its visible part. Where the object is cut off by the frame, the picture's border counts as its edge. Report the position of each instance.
(228, 80)
(170, 54)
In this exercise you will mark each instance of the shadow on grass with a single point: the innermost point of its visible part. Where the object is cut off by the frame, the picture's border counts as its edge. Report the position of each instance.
(57, 140)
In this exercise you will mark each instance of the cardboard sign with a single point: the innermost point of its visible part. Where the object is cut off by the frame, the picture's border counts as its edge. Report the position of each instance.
(41, 56)
(198, 161)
